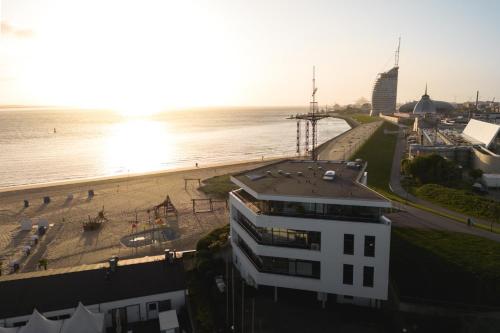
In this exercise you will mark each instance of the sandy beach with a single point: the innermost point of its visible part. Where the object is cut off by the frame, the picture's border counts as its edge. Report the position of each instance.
(66, 244)
(124, 199)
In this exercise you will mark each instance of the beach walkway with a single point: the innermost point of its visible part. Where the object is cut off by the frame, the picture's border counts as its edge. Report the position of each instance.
(346, 144)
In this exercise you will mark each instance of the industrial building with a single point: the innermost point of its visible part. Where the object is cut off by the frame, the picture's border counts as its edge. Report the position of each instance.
(314, 226)
(476, 146)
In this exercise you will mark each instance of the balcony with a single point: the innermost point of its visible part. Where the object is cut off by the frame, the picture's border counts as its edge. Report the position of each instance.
(250, 202)
(297, 239)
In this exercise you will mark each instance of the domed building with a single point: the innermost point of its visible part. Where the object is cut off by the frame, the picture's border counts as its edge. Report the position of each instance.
(425, 105)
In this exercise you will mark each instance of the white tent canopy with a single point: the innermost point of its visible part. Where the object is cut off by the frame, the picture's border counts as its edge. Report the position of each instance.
(43, 222)
(84, 321)
(26, 224)
(168, 321)
(39, 324)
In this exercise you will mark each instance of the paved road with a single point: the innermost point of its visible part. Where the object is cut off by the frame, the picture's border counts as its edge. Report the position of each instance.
(415, 217)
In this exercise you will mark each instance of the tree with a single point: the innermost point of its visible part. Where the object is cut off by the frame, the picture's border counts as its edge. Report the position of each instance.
(432, 169)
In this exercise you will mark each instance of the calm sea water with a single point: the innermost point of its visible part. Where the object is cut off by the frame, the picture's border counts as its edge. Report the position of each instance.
(102, 143)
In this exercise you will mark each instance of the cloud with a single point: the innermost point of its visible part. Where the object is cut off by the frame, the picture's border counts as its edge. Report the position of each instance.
(9, 30)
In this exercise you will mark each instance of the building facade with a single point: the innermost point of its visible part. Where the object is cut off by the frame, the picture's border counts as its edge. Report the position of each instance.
(132, 291)
(385, 92)
(294, 227)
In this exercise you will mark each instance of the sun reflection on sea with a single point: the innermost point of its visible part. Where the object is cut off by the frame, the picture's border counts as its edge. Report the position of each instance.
(138, 145)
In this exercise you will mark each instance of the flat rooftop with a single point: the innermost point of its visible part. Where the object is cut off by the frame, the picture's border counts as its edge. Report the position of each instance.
(58, 289)
(304, 178)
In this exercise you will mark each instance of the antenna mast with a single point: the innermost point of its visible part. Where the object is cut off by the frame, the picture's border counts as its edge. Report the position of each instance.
(396, 56)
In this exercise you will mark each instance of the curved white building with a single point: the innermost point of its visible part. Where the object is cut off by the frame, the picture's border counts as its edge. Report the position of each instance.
(385, 92)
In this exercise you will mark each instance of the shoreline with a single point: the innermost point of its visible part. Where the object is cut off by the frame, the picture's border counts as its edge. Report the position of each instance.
(131, 176)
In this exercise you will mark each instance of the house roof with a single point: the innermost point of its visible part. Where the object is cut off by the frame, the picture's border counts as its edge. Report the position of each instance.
(57, 289)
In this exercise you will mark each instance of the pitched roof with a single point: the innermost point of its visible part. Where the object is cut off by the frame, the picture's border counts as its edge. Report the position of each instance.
(91, 284)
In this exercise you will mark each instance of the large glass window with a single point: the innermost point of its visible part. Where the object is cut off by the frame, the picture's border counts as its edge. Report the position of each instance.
(313, 210)
(279, 236)
(348, 244)
(348, 274)
(369, 246)
(368, 272)
(278, 265)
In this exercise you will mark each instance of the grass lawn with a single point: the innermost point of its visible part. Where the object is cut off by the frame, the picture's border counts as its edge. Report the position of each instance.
(218, 186)
(379, 152)
(445, 266)
(461, 201)
(364, 118)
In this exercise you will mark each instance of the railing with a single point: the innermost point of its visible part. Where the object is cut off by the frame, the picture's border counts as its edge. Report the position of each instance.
(247, 202)
(249, 227)
(255, 260)
(253, 204)
(374, 219)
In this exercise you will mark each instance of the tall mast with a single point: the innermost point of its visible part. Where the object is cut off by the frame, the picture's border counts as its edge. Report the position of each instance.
(396, 56)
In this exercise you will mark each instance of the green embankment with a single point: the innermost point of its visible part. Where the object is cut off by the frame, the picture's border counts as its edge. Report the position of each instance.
(364, 118)
(445, 266)
(218, 186)
(461, 201)
(378, 151)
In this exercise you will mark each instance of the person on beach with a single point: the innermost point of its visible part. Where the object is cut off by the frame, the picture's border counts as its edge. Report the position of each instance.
(196, 164)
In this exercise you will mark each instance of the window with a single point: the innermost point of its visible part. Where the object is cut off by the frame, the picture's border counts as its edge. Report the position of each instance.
(152, 306)
(164, 305)
(19, 323)
(368, 276)
(348, 244)
(348, 272)
(369, 246)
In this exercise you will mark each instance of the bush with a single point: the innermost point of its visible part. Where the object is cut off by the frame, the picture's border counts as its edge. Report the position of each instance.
(433, 169)
(475, 173)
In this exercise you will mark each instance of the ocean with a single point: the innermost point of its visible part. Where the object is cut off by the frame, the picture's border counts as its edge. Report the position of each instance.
(94, 143)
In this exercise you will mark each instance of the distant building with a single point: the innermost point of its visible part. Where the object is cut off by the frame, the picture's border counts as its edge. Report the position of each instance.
(124, 292)
(312, 225)
(426, 105)
(385, 92)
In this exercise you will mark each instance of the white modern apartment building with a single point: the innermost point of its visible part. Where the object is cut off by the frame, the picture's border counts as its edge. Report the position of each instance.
(312, 225)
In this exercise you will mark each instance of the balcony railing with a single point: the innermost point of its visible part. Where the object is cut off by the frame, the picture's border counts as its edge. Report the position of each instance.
(247, 201)
(264, 237)
(325, 212)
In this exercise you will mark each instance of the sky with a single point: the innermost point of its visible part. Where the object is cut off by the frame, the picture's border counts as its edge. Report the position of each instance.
(156, 54)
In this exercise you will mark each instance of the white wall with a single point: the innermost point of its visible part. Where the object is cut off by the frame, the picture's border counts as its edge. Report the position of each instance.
(331, 254)
(177, 299)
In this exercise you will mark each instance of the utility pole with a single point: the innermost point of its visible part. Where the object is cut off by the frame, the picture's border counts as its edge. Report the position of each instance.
(232, 290)
(253, 314)
(227, 292)
(242, 304)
